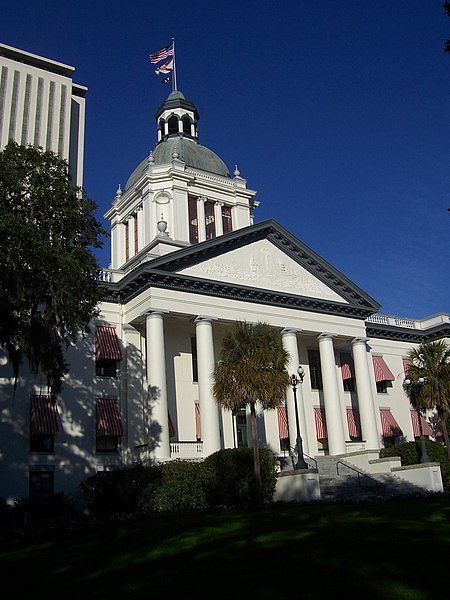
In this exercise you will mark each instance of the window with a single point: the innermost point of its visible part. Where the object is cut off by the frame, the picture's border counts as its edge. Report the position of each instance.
(186, 125)
(347, 371)
(136, 236)
(382, 387)
(43, 423)
(349, 385)
(41, 486)
(210, 221)
(42, 443)
(315, 371)
(107, 443)
(108, 425)
(383, 375)
(106, 368)
(283, 431)
(173, 124)
(107, 351)
(193, 221)
(392, 432)
(194, 359)
(227, 224)
(127, 241)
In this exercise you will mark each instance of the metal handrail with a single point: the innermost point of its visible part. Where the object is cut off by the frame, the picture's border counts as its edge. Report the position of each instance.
(293, 453)
(360, 473)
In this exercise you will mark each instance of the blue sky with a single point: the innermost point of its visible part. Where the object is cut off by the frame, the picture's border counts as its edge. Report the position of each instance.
(337, 113)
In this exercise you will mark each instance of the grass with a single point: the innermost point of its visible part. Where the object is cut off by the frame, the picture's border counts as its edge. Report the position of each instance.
(381, 550)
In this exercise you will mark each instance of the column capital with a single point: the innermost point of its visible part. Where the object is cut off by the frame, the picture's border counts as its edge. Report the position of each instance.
(326, 335)
(287, 330)
(360, 340)
(200, 318)
(156, 312)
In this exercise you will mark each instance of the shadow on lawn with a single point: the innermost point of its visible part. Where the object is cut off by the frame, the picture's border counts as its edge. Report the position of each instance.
(374, 550)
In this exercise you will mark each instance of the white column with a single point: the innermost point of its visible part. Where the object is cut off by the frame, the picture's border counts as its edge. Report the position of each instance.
(201, 219)
(209, 410)
(157, 387)
(367, 411)
(335, 426)
(218, 218)
(289, 338)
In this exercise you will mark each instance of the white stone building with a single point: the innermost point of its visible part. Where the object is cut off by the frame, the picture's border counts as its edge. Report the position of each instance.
(40, 105)
(187, 261)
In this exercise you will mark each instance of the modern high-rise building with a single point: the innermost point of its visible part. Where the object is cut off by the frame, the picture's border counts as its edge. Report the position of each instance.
(40, 105)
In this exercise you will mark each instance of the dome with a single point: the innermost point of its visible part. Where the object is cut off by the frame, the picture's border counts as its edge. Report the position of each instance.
(177, 139)
(189, 151)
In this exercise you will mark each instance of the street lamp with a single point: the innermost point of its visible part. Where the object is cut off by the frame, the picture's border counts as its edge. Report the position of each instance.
(414, 387)
(294, 380)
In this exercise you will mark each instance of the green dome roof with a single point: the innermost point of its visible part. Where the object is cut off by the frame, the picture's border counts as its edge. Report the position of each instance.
(189, 151)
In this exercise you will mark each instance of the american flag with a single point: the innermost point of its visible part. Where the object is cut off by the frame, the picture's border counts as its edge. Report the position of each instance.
(167, 67)
(161, 54)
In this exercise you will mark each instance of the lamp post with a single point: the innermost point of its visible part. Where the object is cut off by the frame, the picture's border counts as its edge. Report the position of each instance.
(414, 387)
(294, 381)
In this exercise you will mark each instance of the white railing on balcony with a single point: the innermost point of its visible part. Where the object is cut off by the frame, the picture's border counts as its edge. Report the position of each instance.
(186, 449)
(409, 323)
(110, 275)
(104, 275)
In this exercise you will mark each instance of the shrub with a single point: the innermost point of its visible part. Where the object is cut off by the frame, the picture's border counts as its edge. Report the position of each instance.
(115, 492)
(411, 453)
(229, 477)
(180, 488)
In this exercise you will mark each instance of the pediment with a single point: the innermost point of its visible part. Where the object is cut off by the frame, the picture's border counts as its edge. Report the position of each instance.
(264, 266)
(262, 263)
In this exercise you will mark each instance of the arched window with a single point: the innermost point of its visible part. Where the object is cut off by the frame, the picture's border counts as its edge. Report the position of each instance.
(186, 125)
(173, 124)
(161, 127)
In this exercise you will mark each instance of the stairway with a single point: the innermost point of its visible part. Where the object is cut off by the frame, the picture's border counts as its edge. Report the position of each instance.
(339, 480)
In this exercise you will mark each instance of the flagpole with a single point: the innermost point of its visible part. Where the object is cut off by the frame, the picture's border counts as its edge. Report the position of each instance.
(174, 80)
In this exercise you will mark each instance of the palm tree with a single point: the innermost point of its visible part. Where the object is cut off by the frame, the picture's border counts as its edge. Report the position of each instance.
(431, 361)
(251, 370)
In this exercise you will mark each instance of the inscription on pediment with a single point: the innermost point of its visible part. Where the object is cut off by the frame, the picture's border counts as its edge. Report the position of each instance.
(262, 265)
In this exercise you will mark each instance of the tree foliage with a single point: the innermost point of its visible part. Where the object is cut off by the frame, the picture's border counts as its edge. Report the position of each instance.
(251, 369)
(446, 7)
(47, 269)
(431, 360)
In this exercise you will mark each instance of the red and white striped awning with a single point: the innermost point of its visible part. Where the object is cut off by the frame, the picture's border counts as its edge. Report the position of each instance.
(389, 425)
(406, 365)
(107, 344)
(382, 371)
(426, 429)
(43, 416)
(354, 423)
(283, 430)
(346, 365)
(108, 418)
(198, 427)
(321, 423)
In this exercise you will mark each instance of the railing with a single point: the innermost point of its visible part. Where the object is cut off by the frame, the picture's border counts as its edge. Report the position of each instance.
(186, 449)
(409, 323)
(396, 321)
(293, 456)
(360, 474)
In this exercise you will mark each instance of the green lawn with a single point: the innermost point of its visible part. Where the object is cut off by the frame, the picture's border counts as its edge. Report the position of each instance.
(384, 550)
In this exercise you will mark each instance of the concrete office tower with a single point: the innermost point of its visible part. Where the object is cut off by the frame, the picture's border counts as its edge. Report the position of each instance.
(41, 105)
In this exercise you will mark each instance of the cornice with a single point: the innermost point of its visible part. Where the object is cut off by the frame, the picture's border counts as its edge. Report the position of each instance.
(404, 334)
(126, 290)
